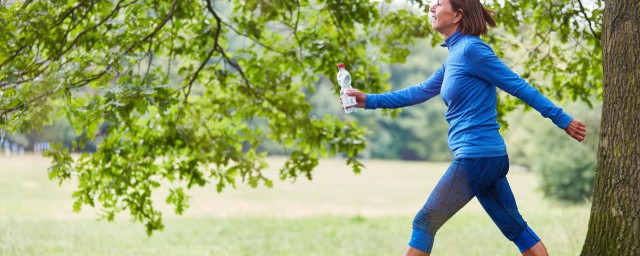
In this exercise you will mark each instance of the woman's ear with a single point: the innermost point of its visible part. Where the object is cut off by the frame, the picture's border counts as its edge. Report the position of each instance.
(458, 16)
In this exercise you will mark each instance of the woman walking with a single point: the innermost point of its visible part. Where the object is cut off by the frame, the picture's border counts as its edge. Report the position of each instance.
(467, 83)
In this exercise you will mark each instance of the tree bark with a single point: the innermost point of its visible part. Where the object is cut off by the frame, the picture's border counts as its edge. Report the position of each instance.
(614, 226)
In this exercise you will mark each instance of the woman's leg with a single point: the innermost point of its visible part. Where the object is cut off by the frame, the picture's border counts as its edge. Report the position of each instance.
(450, 194)
(410, 251)
(536, 250)
(498, 201)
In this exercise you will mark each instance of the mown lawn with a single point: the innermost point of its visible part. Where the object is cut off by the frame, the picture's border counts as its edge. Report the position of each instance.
(337, 213)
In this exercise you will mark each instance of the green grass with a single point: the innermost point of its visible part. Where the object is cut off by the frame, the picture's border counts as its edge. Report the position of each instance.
(337, 213)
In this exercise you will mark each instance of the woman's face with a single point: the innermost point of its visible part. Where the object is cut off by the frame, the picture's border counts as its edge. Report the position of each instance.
(444, 18)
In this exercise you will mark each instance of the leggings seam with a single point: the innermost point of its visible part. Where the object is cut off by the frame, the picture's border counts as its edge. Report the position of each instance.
(446, 198)
(509, 213)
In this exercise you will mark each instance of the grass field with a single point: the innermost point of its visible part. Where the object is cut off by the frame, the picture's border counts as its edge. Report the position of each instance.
(338, 213)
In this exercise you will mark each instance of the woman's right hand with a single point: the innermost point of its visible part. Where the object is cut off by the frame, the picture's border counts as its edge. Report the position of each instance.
(361, 98)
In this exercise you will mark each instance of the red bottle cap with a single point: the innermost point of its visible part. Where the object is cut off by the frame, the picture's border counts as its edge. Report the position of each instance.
(341, 65)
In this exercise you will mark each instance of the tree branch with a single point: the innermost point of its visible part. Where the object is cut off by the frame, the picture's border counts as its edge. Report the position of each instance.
(212, 11)
(157, 28)
(97, 76)
(90, 79)
(237, 67)
(75, 40)
(150, 52)
(34, 68)
(171, 50)
(47, 94)
(295, 34)
(216, 36)
(27, 104)
(195, 75)
(69, 11)
(13, 56)
(25, 4)
(584, 13)
(66, 34)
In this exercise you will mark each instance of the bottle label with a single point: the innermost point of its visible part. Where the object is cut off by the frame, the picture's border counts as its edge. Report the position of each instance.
(348, 101)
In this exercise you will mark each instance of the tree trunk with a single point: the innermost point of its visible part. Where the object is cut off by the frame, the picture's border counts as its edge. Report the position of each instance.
(614, 227)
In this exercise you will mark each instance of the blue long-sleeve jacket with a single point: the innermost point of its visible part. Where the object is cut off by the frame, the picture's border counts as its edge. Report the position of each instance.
(467, 83)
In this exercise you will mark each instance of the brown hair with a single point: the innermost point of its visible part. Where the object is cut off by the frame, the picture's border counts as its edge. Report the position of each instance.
(475, 18)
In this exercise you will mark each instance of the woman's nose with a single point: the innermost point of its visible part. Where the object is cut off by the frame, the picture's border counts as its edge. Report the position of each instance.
(432, 8)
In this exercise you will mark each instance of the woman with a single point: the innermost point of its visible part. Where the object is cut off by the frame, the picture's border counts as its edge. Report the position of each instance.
(467, 83)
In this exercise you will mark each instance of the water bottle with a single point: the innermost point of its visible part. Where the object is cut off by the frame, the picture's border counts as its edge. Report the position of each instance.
(344, 80)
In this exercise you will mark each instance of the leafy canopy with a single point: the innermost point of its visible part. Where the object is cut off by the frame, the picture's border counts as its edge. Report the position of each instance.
(175, 90)
(179, 86)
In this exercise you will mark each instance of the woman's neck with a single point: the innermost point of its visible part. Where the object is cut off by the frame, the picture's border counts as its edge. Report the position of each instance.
(449, 32)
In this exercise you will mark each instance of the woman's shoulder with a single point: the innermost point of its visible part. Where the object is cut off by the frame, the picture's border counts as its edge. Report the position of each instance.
(475, 46)
(471, 41)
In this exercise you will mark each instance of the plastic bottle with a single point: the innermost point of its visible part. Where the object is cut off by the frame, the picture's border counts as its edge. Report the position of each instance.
(344, 80)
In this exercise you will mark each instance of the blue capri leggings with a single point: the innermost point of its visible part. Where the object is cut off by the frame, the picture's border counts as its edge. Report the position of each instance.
(484, 178)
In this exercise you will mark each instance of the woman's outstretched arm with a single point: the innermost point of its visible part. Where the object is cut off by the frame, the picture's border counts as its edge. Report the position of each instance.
(483, 63)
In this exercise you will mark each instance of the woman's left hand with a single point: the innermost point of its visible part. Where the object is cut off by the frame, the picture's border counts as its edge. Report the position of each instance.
(576, 130)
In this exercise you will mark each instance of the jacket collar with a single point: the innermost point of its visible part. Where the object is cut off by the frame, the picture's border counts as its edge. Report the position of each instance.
(452, 39)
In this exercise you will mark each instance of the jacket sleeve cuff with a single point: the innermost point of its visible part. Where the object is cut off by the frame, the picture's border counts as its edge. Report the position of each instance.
(371, 102)
(563, 121)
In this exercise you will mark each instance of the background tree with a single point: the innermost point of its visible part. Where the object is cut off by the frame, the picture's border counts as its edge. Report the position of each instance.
(614, 227)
